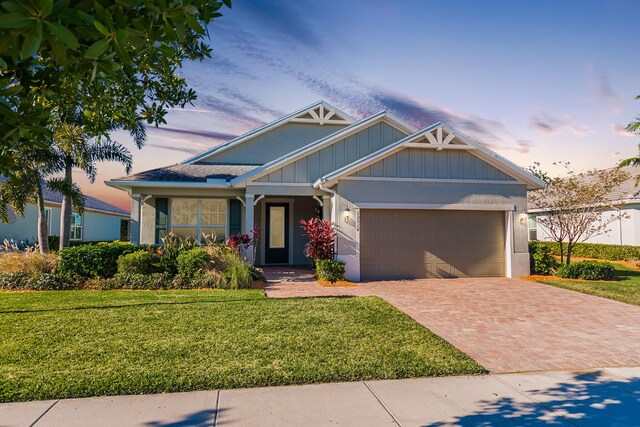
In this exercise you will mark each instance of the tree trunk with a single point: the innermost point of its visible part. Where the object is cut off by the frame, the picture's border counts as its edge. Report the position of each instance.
(43, 232)
(561, 251)
(66, 208)
(569, 248)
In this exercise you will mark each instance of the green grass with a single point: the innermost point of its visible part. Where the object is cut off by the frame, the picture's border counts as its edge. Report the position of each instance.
(65, 344)
(625, 289)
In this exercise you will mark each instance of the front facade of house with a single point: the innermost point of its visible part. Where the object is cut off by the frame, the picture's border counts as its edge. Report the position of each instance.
(99, 222)
(623, 222)
(407, 203)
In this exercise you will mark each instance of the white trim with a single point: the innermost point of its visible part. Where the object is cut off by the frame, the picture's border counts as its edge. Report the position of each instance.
(72, 227)
(439, 147)
(437, 206)
(311, 148)
(508, 243)
(260, 197)
(281, 184)
(263, 129)
(481, 152)
(166, 184)
(319, 200)
(241, 201)
(447, 180)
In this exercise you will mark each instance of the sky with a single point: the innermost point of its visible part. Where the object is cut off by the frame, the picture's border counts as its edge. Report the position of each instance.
(536, 81)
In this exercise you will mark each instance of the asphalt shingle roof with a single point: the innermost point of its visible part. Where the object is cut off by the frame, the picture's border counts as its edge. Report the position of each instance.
(89, 202)
(628, 190)
(190, 173)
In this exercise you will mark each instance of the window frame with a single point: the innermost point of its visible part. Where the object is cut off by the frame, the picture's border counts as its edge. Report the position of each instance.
(76, 227)
(48, 213)
(532, 231)
(199, 225)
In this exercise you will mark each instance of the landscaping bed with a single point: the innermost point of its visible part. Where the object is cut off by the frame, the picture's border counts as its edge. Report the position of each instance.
(87, 343)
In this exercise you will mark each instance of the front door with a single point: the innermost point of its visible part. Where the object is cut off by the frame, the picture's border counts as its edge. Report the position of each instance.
(277, 235)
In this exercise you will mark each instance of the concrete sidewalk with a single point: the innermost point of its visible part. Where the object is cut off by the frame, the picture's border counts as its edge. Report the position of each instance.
(597, 397)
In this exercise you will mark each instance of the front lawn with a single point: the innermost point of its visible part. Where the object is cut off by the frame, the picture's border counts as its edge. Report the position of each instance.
(625, 289)
(86, 343)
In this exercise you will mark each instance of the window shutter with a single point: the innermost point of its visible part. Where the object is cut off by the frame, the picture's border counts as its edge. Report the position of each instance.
(162, 218)
(235, 215)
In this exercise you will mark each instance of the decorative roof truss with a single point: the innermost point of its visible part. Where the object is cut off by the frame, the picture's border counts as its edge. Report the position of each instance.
(320, 115)
(440, 139)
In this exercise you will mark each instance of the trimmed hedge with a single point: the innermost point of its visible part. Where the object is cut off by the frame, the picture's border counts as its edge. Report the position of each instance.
(587, 270)
(596, 250)
(541, 260)
(329, 269)
(139, 262)
(192, 263)
(93, 261)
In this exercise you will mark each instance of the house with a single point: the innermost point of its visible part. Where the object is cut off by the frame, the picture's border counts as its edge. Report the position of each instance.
(624, 220)
(99, 222)
(407, 203)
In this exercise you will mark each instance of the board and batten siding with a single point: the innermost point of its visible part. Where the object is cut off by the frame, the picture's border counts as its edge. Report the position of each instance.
(273, 144)
(341, 153)
(429, 163)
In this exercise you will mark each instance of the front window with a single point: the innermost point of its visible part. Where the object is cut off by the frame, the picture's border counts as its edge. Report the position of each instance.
(533, 228)
(195, 218)
(76, 226)
(48, 215)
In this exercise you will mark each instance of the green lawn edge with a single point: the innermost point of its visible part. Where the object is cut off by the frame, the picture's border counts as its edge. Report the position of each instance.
(70, 344)
(626, 289)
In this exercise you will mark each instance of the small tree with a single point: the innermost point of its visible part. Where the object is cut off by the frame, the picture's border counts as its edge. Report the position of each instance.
(573, 207)
(322, 237)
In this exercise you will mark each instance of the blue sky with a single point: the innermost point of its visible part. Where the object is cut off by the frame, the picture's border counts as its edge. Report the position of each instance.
(536, 81)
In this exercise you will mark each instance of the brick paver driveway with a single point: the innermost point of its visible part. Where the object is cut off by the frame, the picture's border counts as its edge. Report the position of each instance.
(506, 325)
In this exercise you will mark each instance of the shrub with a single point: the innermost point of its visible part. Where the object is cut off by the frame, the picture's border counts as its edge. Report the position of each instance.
(587, 270)
(321, 235)
(256, 274)
(596, 250)
(93, 261)
(329, 269)
(192, 263)
(172, 246)
(139, 262)
(542, 262)
(153, 281)
(22, 281)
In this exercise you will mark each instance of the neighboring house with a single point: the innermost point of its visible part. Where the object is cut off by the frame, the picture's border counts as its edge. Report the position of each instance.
(407, 203)
(99, 222)
(624, 228)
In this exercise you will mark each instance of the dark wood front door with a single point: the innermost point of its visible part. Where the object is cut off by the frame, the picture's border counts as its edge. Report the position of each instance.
(277, 235)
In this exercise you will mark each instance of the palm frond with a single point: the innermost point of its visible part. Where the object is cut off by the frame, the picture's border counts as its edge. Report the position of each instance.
(111, 151)
(60, 185)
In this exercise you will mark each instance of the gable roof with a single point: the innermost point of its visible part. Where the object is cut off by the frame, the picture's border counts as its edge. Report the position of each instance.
(189, 173)
(314, 113)
(628, 192)
(382, 116)
(90, 203)
(454, 140)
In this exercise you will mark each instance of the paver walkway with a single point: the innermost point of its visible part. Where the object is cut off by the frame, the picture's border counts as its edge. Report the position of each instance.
(596, 398)
(507, 325)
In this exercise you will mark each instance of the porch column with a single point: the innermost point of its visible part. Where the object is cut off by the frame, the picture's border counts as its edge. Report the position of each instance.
(134, 224)
(248, 222)
(326, 207)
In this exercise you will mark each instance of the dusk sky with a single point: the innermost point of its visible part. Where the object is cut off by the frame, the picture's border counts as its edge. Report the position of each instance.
(535, 81)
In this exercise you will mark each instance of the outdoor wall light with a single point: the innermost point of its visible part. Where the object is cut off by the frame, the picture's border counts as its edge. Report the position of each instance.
(347, 212)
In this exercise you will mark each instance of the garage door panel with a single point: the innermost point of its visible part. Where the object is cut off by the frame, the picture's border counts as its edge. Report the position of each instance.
(420, 244)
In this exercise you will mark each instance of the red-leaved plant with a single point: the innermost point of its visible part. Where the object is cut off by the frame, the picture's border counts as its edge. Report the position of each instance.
(242, 241)
(321, 235)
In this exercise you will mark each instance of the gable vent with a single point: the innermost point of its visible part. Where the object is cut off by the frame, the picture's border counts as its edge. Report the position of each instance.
(321, 115)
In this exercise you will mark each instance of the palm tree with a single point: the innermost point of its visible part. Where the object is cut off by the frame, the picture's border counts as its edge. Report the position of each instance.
(75, 148)
(634, 127)
(27, 186)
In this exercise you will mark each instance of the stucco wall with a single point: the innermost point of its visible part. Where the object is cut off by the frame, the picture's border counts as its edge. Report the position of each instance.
(625, 230)
(273, 144)
(337, 155)
(97, 226)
